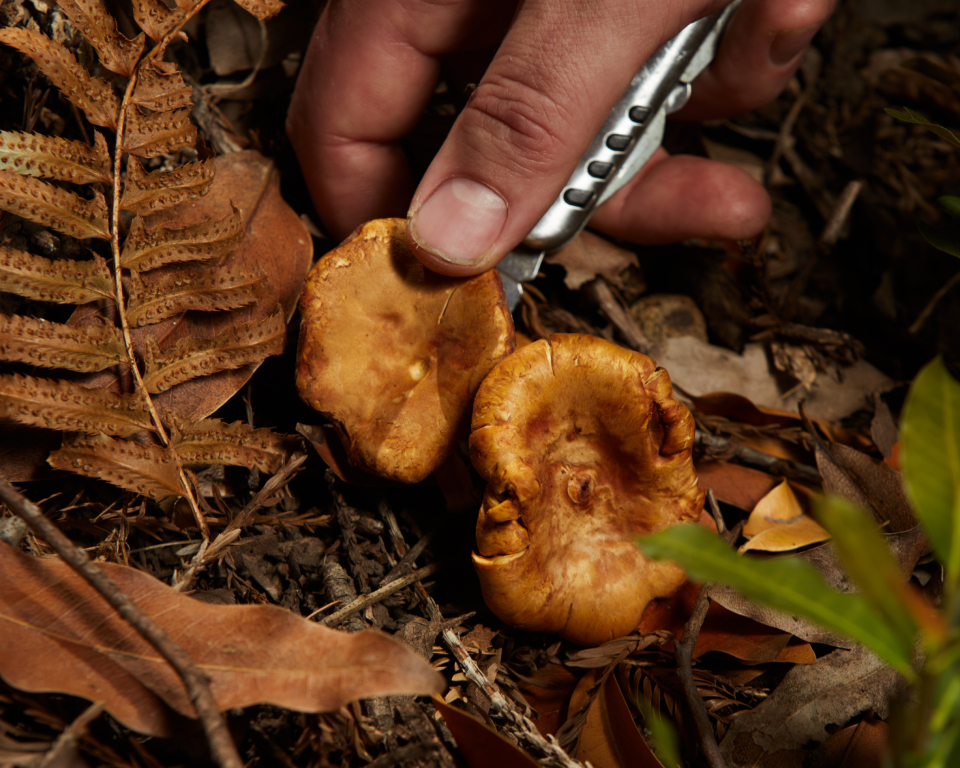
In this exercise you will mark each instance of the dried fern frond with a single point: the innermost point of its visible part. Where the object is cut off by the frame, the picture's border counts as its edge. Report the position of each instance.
(155, 17)
(148, 249)
(208, 290)
(210, 441)
(262, 9)
(158, 133)
(69, 407)
(145, 469)
(53, 207)
(90, 94)
(160, 87)
(145, 193)
(192, 357)
(116, 52)
(63, 281)
(30, 154)
(54, 345)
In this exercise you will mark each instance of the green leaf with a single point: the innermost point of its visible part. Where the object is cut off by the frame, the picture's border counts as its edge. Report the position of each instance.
(787, 584)
(867, 560)
(946, 239)
(909, 116)
(930, 456)
(951, 205)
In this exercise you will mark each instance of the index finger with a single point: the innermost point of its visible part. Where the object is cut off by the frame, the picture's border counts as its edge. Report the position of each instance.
(366, 78)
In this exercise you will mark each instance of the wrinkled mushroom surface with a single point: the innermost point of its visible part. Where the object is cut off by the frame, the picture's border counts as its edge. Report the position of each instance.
(393, 353)
(584, 447)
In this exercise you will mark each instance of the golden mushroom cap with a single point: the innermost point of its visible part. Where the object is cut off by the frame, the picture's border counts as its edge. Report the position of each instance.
(584, 448)
(393, 353)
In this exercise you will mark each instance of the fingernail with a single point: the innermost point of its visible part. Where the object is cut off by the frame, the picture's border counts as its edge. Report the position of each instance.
(786, 46)
(459, 221)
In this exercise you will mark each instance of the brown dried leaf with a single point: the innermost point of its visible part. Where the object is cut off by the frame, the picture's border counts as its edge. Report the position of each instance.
(250, 653)
(158, 133)
(480, 745)
(262, 9)
(53, 345)
(90, 94)
(211, 441)
(145, 469)
(276, 241)
(63, 281)
(69, 407)
(589, 256)
(155, 17)
(54, 207)
(144, 250)
(207, 290)
(116, 52)
(232, 348)
(30, 154)
(160, 86)
(779, 523)
(145, 193)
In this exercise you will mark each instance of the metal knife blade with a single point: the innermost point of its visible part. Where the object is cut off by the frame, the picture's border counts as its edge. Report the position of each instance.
(626, 141)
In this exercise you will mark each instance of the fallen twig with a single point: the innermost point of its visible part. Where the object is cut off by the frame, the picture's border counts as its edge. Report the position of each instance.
(362, 602)
(756, 458)
(222, 748)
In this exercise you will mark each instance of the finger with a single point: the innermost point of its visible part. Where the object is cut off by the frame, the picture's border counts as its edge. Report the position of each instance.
(555, 78)
(761, 48)
(681, 197)
(366, 78)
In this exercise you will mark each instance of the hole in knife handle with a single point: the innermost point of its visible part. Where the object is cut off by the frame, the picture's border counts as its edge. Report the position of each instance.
(579, 198)
(619, 142)
(639, 114)
(599, 170)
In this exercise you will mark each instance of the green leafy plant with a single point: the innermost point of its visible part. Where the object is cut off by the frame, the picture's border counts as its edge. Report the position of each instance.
(885, 615)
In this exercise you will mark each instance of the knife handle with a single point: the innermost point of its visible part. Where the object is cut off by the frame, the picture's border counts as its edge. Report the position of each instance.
(633, 130)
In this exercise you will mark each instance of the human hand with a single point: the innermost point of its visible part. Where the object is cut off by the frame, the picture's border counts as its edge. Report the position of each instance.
(372, 66)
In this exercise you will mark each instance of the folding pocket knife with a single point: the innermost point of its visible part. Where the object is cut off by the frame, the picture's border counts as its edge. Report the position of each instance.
(627, 139)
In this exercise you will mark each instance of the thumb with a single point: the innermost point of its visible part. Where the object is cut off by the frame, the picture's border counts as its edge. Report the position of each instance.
(557, 74)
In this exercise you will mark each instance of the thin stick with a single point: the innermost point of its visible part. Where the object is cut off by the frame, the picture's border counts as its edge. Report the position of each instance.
(684, 655)
(932, 304)
(757, 458)
(221, 744)
(841, 211)
(363, 601)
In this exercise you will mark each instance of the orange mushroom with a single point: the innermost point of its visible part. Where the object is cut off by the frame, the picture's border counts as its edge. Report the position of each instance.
(584, 448)
(393, 354)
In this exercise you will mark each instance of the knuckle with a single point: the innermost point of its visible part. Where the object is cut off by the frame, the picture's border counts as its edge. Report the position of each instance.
(521, 121)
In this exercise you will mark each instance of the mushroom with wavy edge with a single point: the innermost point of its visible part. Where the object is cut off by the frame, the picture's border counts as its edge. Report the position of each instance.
(584, 448)
(393, 354)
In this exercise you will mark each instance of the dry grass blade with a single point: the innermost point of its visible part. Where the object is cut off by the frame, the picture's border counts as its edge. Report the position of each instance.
(53, 345)
(158, 133)
(155, 17)
(29, 154)
(193, 357)
(116, 52)
(211, 441)
(90, 94)
(63, 281)
(145, 193)
(262, 9)
(145, 469)
(53, 207)
(160, 86)
(209, 290)
(147, 249)
(69, 407)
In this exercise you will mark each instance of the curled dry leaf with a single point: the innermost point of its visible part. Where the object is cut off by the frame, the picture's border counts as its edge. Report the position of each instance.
(145, 193)
(54, 207)
(28, 154)
(589, 256)
(53, 345)
(59, 635)
(90, 94)
(63, 281)
(480, 745)
(780, 522)
(145, 469)
(69, 407)
(116, 52)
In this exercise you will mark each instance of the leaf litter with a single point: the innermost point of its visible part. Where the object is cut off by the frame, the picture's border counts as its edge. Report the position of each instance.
(776, 681)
